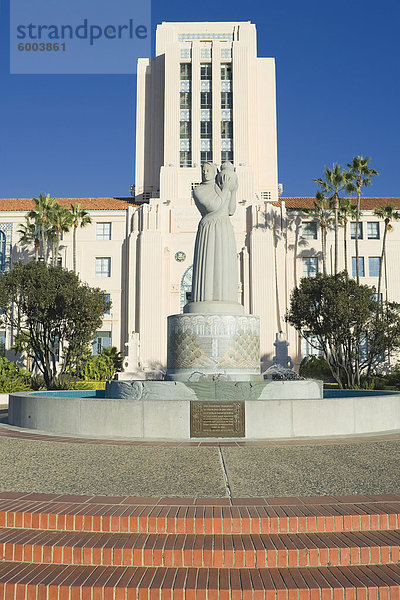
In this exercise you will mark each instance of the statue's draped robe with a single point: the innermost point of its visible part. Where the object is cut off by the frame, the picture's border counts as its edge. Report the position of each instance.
(215, 270)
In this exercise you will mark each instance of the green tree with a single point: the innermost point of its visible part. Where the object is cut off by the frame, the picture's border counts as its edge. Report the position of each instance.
(42, 215)
(323, 214)
(57, 316)
(61, 221)
(334, 181)
(347, 211)
(360, 175)
(30, 233)
(80, 218)
(338, 316)
(387, 213)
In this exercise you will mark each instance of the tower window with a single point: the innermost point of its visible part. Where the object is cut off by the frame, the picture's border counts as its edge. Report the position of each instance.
(206, 71)
(206, 156)
(184, 129)
(186, 71)
(205, 100)
(185, 158)
(226, 155)
(185, 99)
(226, 99)
(205, 129)
(226, 72)
(226, 129)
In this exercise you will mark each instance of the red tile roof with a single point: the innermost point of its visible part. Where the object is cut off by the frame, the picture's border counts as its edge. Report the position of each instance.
(25, 204)
(366, 203)
(22, 204)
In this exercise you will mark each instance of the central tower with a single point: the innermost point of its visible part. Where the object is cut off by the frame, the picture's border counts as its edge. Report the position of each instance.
(205, 97)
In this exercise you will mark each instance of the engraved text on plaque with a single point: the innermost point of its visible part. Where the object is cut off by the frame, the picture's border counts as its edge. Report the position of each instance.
(217, 419)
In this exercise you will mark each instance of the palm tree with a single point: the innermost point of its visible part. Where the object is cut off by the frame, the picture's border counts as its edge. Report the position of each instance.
(80, 218)
(61, 219)
(360, 176)
(323, 214)
(333, 183)
(388, 213)
(41, 214)
(30, 232)
(347, 211)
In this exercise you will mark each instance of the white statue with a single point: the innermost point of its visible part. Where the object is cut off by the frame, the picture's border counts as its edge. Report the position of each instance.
(215, 271)
(282, 357)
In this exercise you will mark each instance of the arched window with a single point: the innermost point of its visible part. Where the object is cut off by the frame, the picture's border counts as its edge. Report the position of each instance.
(186, 287)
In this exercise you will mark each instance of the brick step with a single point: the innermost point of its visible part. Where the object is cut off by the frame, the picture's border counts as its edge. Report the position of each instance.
(178, 517)
(199, 550)
(60, 582)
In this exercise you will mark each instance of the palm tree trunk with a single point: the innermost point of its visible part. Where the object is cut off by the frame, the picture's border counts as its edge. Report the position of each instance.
(74, 247)
(323, 243)
(44, 242)
(37, 246)
(381, 263)
(336, 231)
(357, 222)
(53, 253)
(57, 248)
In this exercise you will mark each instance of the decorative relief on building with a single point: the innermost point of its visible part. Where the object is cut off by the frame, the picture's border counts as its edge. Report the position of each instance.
(186, 53)
(180, 256)
(205, 114)
(184, 37)
(185, 86)
(226, 114)
(226, 53)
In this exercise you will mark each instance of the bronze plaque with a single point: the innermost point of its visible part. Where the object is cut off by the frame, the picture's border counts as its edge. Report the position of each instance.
(217, 419)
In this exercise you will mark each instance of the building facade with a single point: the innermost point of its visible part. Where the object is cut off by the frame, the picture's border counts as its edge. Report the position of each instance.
(206, 96)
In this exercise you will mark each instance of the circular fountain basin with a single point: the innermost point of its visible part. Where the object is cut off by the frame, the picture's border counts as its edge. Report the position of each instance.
(162, 410)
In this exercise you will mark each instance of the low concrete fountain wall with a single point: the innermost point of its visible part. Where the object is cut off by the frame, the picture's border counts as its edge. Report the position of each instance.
(291, 409)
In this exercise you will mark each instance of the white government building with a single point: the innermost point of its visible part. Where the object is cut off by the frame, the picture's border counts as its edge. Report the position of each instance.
(206, 96)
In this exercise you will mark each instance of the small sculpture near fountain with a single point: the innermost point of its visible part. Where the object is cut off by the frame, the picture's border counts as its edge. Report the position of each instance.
(282, 364)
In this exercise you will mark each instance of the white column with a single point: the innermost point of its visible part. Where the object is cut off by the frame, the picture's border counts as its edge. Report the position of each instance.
(262, 296)
(171, 105)
(150, 319)
(196, 103)
(240, 104)
(216, 101)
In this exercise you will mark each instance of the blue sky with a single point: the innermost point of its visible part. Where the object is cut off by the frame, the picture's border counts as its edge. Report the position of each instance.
(338, 93)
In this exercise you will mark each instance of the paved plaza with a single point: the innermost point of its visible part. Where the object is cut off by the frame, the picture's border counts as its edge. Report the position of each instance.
(34, 462)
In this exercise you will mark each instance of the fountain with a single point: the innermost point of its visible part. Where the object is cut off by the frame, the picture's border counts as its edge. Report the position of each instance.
(213, 387)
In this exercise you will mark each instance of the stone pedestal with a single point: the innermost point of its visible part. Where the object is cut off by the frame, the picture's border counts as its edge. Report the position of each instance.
(205, 346)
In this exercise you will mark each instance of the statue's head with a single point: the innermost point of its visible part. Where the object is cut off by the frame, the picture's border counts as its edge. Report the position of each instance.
(209, 171)
(227, 166)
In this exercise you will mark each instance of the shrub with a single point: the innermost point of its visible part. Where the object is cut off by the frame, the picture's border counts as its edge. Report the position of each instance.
(99, 368)
(13, 378)
(115, 355)
(89, 385)
(315, 367)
